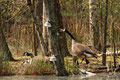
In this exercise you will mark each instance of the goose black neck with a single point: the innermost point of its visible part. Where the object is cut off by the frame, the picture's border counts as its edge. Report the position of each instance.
(30, 54)
(69, 34)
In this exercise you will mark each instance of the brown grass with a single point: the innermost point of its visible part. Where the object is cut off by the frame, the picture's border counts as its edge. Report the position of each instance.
(40, 67)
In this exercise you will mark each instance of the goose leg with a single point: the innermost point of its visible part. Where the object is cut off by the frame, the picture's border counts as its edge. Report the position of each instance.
(77, 64)
(82, 60)
(87, 62)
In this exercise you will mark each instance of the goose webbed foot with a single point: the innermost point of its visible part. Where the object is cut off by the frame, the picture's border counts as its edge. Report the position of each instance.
(87, 62)
(77, 64)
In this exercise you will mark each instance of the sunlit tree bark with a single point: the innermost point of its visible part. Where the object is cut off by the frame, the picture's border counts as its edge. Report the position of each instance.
(45, 30)
(94, 29)
(5, 49)
(34, 32)
(59, 23)
(53, 37)
(38, 29)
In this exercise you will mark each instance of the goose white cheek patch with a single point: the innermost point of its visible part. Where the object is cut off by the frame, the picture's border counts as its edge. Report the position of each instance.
(53, 58)
(47, 24)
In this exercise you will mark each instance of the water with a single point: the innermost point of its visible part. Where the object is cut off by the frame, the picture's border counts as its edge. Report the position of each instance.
(78, 77)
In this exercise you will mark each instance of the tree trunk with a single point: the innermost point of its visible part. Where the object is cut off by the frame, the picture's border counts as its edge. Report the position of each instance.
(6, 52)
(94, 29)
(0, 43)
(53, 38)
(100, 47)
(45, 30)
(114, 55)
(0, 36)
(34, 40)
(34, 33)
(0, 32)
(5, 48)
(76, 9)
(105, 35)
(39, 31)
(39, 11)
(59, 23)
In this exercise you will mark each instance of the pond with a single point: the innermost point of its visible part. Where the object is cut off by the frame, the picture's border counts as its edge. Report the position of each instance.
(76, 77)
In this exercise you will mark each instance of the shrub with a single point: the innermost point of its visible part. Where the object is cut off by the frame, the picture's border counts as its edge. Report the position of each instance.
(40, 67)
(5, 67)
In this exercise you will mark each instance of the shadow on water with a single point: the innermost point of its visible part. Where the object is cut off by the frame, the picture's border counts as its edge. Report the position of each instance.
(76, 77)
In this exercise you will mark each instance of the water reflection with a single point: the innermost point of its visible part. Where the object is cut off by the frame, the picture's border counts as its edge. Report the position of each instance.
(76, 77)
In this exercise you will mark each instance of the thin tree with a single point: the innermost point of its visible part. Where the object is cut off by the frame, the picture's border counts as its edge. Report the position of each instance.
(34, 32)
(45, 30)
(105, 35)
(114, 55)
(39, 13)
(94, 29)
(37, 28)
(53, 38)
(101, 25)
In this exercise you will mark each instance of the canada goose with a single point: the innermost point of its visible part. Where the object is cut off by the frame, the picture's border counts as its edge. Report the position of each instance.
(80, 50)
(29, 60)
(28, 54)
(50, 59)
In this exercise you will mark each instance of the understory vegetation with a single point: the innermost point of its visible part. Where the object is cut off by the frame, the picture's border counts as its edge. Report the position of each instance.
(40, 67)
(5, 67)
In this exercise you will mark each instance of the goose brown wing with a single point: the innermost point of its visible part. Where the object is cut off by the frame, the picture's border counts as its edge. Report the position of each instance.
(81, 49)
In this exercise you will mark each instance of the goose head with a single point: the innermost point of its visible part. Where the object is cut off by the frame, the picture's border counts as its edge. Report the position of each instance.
(62, 30)
(28, 54)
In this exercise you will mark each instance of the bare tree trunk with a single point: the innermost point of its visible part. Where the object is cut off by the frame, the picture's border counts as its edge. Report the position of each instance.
(92, 19)
(34, 33)
(5, 48)
(114, 55)
(34, 40)
(53, 38)
(59, 23)
(0, 42)
(94, 29)
(45, 30)
(39, 31)
(101, 26)
(39, 13)
(105, 35)
(76, 8)
(0, 33)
